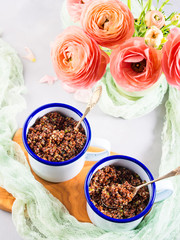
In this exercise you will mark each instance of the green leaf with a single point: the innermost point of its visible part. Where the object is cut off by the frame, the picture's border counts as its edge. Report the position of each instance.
(163, 4)
(166, 27)
(142, 28)
(164, 40)
(106, 50)
(175, 22)
(149, 5)
(139, 2)
(170, 16)
(146, 8)
(129, 4)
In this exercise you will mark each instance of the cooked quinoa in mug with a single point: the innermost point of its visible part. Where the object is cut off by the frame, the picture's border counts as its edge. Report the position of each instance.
(110, 192)
(53, 138)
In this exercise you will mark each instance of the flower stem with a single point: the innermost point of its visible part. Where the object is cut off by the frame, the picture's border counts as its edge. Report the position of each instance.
(129, 4)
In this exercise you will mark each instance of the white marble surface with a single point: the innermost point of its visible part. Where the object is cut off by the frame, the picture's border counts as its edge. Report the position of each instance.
(35, 24)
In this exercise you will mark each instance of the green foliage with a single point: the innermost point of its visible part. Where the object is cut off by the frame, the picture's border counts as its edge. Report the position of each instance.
(139, 24)
(106, 50)
(141, 3)
(129, 4)
(170, 16)
(163, 41)
(166, 29)
(163, 4)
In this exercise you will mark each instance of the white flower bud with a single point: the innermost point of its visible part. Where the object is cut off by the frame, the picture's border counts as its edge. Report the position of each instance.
(176, 17)
(153, 37)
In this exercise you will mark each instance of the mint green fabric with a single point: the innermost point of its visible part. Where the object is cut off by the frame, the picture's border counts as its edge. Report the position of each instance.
(127, 105)
(36, 214)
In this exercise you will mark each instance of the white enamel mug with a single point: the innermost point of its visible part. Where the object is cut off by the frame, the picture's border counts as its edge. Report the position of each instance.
(62, 171)
(158, 192)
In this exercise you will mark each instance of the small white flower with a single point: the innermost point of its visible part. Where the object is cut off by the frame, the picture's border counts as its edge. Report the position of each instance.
(176, 17)
(153, 37)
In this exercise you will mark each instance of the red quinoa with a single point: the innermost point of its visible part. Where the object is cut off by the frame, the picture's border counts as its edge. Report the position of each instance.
(111, 193)
(53, 138)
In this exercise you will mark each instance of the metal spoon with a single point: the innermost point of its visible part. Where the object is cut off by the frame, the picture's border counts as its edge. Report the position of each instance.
(134, 189)
(93, 101)
(173, 173)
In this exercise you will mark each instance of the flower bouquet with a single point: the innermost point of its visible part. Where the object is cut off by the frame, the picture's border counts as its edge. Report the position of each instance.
(131, 54)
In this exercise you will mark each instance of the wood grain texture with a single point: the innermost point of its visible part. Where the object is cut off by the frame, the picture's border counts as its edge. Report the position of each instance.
(70, 193)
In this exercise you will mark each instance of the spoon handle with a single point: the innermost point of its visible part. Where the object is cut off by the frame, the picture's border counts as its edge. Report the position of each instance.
(93, 101)
(82, 118)
(173, 173)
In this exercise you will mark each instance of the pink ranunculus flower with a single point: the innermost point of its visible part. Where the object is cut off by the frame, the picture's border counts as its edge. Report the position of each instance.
(134, 65)
(154, 18)
(77, 59)
(75, 8)
(171, 58)
(108, 22)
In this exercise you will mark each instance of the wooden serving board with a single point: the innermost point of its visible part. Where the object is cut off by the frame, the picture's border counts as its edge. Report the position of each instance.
(70, 193)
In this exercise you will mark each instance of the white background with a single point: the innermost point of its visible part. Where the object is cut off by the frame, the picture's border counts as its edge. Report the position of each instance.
(35, 24)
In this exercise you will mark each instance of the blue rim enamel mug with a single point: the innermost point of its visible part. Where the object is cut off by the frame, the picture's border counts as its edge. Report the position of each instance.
(158, 192)
(62, 171)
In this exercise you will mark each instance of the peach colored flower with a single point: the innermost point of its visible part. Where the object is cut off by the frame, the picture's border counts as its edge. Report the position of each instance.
(75, 8)
(77, 59)
(108, 22)
(154, 18)
(171, 58)
(153, 37)
(134, 65)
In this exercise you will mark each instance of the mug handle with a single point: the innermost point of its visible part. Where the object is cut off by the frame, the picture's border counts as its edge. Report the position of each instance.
(100, 143)
(164, 189)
